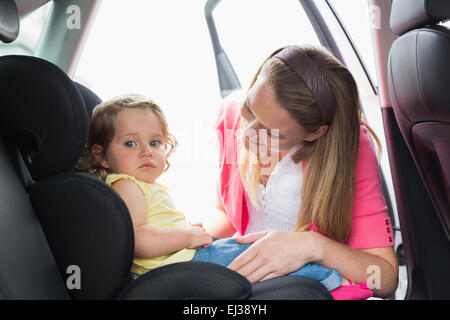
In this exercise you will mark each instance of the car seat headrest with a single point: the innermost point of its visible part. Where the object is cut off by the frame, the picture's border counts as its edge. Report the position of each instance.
(407, 15)
(44, 112)
(91, 100)
(418, 75)
(9, 21)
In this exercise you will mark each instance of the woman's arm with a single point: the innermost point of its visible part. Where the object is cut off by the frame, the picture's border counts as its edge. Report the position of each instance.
(377, 267)
(151, 241)
(218, 224)
(276, 253)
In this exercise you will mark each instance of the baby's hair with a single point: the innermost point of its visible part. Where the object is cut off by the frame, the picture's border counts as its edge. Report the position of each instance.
(102, 130)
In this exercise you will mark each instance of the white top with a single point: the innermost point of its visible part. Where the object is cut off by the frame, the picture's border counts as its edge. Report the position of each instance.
(279, 201)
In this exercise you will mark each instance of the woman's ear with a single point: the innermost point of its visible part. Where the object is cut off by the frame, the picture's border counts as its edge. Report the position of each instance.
(320, 132)
(97, 152)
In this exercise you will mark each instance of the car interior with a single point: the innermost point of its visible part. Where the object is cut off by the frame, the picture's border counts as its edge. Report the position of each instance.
(54, 220)
(420, 103)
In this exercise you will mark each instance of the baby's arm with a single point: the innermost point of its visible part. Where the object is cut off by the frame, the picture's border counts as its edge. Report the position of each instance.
(151, 241)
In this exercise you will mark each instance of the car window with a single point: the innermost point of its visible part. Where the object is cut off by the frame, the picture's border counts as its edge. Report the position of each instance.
(358, 18)
(30, 31)
(250, 30)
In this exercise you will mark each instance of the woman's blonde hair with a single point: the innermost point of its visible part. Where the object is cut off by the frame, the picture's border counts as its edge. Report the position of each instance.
(329, 180)
(102, 130)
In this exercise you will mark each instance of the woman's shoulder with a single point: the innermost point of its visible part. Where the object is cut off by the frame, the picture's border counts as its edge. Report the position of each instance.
(229, 112)
(228, 128)
(371, 226)
(364, 139)
(367, 161)
(367, 172)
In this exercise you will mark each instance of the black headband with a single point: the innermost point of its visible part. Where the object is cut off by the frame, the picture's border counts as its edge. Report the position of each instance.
(313, 78)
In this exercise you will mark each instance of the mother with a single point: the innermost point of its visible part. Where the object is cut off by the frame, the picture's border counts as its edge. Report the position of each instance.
(295, 156)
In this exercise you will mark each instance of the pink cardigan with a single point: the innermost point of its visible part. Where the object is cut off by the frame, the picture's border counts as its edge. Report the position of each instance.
(371, 226)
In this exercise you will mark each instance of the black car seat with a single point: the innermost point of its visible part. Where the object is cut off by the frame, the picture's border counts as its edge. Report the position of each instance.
(419, 79)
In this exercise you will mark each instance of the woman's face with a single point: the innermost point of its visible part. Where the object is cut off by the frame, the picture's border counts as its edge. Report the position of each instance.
(267, 126)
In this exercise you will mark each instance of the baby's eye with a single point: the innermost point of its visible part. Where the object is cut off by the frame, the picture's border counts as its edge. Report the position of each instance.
(130, 144)
(155, 143)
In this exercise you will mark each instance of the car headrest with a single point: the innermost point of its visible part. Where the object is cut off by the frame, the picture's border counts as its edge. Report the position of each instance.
(91, 100)
(407, 15)
(9, 21)
(419, 74)
(44, 112)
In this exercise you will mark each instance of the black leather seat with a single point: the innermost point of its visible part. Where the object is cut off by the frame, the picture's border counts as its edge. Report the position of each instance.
(419, 78)
(27, 267)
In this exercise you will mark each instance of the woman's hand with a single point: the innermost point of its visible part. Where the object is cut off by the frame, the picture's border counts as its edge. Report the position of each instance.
(273, 254)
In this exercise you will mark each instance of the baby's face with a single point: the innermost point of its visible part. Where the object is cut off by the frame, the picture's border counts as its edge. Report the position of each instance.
(138, 148)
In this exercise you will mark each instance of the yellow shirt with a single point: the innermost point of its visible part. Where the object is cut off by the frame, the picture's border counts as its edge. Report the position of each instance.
(161, 213)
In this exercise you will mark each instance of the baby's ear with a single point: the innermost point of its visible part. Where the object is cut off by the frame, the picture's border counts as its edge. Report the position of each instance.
(97, 152)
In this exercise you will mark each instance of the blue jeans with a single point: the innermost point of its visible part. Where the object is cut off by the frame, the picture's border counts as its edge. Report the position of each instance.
(224, 251)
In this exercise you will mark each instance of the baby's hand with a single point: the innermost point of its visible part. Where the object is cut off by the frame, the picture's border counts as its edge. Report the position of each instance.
(199, 238)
